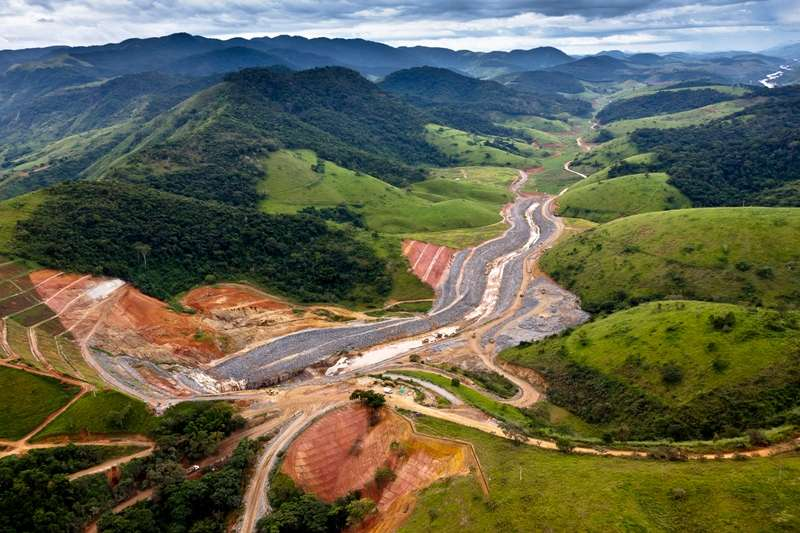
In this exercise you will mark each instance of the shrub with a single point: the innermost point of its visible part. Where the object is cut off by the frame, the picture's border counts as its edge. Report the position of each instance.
(671, 374)
(564, 444)
(455, 382)
(384, 475)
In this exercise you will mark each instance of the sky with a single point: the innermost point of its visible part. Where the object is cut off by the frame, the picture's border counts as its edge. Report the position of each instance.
(575, 26)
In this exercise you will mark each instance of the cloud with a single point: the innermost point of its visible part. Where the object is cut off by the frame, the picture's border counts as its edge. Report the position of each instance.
(578, 26)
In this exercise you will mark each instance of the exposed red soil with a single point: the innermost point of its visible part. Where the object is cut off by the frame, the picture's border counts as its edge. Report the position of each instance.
(342, 451)
(229, 296)
(429, 262)
(534, 170)
(140, 315)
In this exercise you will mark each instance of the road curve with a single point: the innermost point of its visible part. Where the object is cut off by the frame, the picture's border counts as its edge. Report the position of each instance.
(482, 282)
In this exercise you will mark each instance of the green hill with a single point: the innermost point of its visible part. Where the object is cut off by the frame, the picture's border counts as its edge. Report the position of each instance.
(605, 200)
(742, 255)
(296, 179)
(677, 369)
(472, 149)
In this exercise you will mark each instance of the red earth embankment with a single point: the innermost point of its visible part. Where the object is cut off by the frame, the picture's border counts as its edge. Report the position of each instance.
(429, 262)
(341, 452)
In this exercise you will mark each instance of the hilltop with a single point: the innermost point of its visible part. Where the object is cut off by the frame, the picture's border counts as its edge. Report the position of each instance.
(741, 255)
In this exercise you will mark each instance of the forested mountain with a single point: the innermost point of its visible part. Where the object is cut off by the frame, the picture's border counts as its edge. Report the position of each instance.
(659, 103)
(542, 81)
(752, 157)
(448, 94)
(206, 147)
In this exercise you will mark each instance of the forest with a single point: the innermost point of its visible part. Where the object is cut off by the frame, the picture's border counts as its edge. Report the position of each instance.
(451, 97)
(35, 494)
(660, 103)
(166, 244)
(752, 157)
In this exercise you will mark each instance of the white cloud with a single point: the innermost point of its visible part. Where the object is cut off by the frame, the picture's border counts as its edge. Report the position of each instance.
(578, 26)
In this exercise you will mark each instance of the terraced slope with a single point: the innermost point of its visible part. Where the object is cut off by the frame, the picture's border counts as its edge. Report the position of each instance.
(745, 255)
(677, 369)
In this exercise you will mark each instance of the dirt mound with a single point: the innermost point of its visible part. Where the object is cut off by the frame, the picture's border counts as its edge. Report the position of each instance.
(428, 261)
(341, 452)
(209, 300)
(135, 321)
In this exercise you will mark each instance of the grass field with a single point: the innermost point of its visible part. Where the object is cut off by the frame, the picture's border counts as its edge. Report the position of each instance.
(537, 490)
(460, 238)
(100, 413)
(473, 149)
(27, 399)
(740, 255)
(604, 155)
(601, 201)
(633, 346)
(292, 183)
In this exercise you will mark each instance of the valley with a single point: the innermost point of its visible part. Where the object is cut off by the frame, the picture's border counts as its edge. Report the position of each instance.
(240, 295)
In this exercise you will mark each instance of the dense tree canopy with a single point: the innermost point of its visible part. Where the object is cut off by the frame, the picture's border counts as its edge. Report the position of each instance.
(660, 103)
(103, 227)
(752, 157)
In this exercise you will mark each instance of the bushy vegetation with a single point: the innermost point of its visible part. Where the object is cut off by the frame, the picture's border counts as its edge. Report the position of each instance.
(739, 255)
(531, 489)
(35, 494)
(189, 505)
(166, 244)
(748, 158)
(659, 103)
(297, 511)
(27, 400)
(681, 370)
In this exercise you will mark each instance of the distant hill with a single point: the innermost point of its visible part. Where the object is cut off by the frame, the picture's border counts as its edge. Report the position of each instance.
(659, 103)
(787, 51)
(598, 69)
(434, 88)
(750, 157)
(542, 81)
(225, 60)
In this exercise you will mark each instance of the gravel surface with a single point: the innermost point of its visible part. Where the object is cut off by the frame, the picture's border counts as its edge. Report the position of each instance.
(287, 355)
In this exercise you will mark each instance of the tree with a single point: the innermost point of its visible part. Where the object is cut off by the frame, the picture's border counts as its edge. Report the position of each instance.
(514, 432)
(383, 476)
(143, 250)
(358, 510)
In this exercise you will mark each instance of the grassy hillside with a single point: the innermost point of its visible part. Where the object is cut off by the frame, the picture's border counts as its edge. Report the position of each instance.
(537, 490)
(676, 369)
(746, 255)
(14, 210)
(101, 413)
(606, 200)
(660, 103)
(472, 149)
(679, 119)
(27, 400)
(294, 180)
